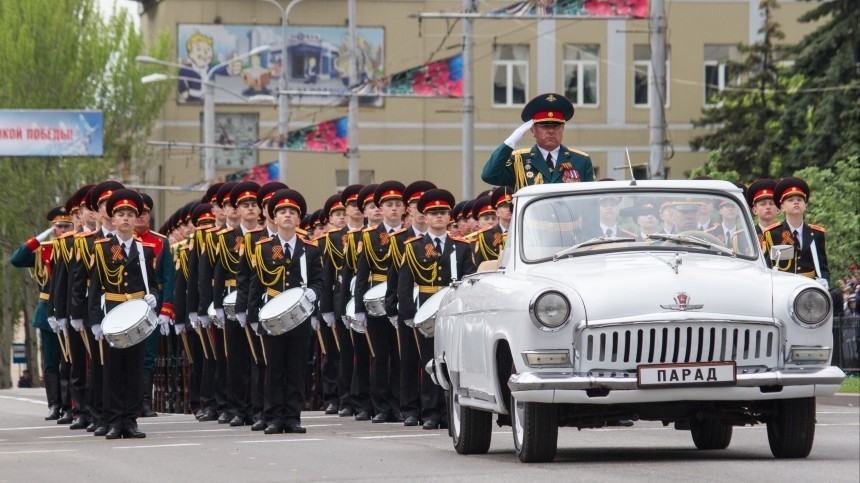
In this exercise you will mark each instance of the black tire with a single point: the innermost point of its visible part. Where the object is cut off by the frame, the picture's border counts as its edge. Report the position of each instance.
(535, 430)
(791, 429)
(471, 429)
(711, 433)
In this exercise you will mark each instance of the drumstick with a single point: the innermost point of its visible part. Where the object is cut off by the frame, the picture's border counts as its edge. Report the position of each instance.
(202, 342)
(322, 344)
(62, 346)
(334, 334)
(68, 346)
(417, 343)
(225, 342)
(86, 344)
(251, 343)
(211, 335)
(263, 346)
(101, 352)
(369, 344)
(187, 350)
(399, 351)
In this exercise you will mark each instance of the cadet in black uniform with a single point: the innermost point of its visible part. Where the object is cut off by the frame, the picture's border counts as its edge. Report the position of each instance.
(489, 243)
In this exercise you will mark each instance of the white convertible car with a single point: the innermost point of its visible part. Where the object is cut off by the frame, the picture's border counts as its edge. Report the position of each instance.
(585, 321)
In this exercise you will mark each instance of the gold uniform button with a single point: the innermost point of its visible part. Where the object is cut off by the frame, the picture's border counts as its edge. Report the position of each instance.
(125, 284)
(125, 273)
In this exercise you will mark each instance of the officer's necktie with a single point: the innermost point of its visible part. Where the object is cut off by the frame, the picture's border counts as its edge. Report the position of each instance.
(728, 238)
(549, 162)
(390, 231)
(287, 253)
(438, 246)
(796, 240)
(609, 233)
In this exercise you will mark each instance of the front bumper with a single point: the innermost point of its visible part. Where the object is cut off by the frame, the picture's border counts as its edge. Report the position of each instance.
(555, 387)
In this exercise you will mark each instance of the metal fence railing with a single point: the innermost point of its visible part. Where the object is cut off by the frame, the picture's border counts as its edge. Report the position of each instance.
(846, 337)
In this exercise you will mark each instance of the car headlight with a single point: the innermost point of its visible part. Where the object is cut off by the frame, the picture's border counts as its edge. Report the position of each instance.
(549, 310)
(811, 307)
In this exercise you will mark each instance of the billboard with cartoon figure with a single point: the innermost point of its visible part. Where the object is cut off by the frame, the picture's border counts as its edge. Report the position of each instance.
(317, 61)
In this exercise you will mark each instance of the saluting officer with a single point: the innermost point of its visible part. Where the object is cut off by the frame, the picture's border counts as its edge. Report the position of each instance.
(810, 254)
(124, 269)
(548, 161)
(283, 262)
(432, 262)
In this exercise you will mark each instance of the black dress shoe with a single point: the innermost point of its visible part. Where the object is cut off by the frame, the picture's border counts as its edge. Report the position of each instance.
(274, 428)
(225, 417)
(147, 412)
(53, 413)
(80, 422)
(100, 431)
(623, 423)
(209, 415)
(346, 412)
(132, 432)
(431, 423)
(295, 429)
(199, 414)
(236, 421)
(381, 418)
(395, 418)
(331, 408)
(363, 416)
(259, 425)
(91, 427)
(66, 418)
(411, 421)
(115, 432)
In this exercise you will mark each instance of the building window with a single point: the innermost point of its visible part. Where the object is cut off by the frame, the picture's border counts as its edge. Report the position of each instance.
(365, 177)
(642, 72)
(510, 75)
(581, 70)
(717, 75)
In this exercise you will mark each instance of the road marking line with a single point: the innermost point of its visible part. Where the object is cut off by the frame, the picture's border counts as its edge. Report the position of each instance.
(64, 437)
(321, 425)
(24, 399)
(397, 436)
(190, 431)
(836, 412)
(157, 446)
(34, 427)
(39, 451)
(327, 416)
(837, 424)
(280, 440)
(167, 422)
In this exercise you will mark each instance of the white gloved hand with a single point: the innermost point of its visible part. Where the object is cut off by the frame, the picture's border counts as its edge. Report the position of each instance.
(220, 314)
(242, 317)
(315, 323)
(45, 234)
(204, 321)
(192, 317)
(150, 300)
(78, 324)
(52, 321)
(518, 134)
(328, 317)
(311, 295)
(179, 328)
(361, 319)
(97, 331)
(824, 283)
(164, 329)
(409, 323)
(393, 319)
(63, 324)
(345, 321)
(163, 320)
(255, 327)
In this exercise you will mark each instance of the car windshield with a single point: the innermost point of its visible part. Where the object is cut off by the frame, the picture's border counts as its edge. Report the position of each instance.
(568, 226)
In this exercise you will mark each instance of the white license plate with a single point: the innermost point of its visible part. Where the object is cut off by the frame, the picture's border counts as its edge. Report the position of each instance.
(695, 374)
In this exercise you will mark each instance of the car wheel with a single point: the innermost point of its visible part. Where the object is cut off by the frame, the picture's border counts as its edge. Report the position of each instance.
(711, 433)
(791, 429)
(470, 429)
(535, 428)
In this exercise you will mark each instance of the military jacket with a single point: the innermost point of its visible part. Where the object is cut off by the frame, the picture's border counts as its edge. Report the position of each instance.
(526, 167)
(803, 262)
(117, 277)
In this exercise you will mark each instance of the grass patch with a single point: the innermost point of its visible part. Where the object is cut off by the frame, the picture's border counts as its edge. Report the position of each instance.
(851, 385)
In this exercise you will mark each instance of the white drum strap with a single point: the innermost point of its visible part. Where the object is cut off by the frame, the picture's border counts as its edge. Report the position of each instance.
(303, 266)
(143, 267)
(454, 265)
(815, 259)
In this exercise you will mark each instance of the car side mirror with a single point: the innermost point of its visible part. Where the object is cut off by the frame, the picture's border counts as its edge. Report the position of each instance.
(781, 253)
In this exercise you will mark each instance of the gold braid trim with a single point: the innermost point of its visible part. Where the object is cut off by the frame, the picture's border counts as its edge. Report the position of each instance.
(417, 269)
(212, 247)
(333, 253)
(274, 275)
(249, 252)
(769, 242)
(370, 253)
(41, 272)
(519, 172)
(396, 252)
(486, 250)
(350, 257)
(108, 276)
(230, 262)
(83, 252)
(66, 250)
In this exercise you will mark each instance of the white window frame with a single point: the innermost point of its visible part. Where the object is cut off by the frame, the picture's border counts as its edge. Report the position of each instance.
(580, 80)
(647, 64)
(509, 66)
(722, 73)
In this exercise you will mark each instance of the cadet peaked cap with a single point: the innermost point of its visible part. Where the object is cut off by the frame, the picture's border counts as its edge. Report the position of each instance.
(549, 107)
(790, 186)
(287, 198)
(388, 190)
(435, 199)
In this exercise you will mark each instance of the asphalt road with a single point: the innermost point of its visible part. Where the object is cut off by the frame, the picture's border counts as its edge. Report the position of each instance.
(178, 448)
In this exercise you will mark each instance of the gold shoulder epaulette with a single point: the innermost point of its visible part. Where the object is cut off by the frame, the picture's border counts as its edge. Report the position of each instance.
(219, 231)
(458, 238)
(476, 233)
(302, 232)
(522, 151)
(581, 153)
(47, 243)
(398, 231)
(334, 230)
(771, 227)
(146, 244)
(255, 229)
(414, 238)
(310, 242)
(101, 240)
(264, 240)
(818, 228)
(370, 228)
(83, 234)
(157, 234)
(73, 233)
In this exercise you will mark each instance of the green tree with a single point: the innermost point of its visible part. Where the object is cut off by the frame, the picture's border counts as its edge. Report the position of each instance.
(61, 54)
(821, 123)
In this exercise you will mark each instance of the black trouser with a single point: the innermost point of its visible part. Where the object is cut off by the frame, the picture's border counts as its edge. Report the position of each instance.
(258, 377)
(329, 366)
(385, 368)
(410, 361)
(123, 375)
(360, 387)
(347, 361)
(238, 370)
(433, 403)
(284, 394)
(78, 371)
(220, 374)
(199, 391)
(95, 380)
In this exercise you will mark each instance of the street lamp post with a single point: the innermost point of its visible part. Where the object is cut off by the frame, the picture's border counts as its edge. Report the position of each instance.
(208, 103)
(283, 100)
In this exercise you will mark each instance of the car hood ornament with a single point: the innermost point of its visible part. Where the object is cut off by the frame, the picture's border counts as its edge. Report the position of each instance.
(682, 303)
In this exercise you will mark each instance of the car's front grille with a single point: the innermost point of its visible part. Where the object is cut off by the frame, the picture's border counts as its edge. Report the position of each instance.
(625, 347)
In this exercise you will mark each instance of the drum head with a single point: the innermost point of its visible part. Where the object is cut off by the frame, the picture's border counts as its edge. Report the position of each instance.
(124, 316)
(350, 309)
(230, 298)
(211, 310)
(281, 303)
(431, 306)
(377, 292)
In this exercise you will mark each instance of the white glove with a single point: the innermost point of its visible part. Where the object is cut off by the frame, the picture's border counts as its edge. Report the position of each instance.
(150, 299)
(361, 319)
(518, 134)
(97, 331)
(824, 283)
(204, 321)
(163, 320)
(45, 234)
(192, 317)
(242, 317)
(315, 323)
(393, 320)
(409, 323)
(63, 324)
(255, 327)
(328, 318)
(78, 324)
(164, 329)
(311, 295)
(52, 321)
(179, 328)
(220, 314)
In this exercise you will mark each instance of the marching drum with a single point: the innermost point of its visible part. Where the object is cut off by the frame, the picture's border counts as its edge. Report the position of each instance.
(286, 311)
(350, 316)
(425, 317)
(129, 323)
(230, 305)
(213, 316)
(374, 300)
